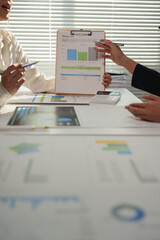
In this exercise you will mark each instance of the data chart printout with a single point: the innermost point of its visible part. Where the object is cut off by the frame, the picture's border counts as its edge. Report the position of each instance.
(44, 117)
(79, 68)
(50, 99)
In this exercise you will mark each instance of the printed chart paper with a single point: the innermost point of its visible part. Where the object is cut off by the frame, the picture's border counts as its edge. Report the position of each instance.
(83, 190)
(79, 68)
(50, 99)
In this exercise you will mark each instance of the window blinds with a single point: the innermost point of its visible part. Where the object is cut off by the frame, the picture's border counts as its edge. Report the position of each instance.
(132, 22)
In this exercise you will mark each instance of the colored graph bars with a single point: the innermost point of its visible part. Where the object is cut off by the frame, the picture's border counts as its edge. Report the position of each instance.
(42, 98)
(75, 55)
(59, 99)
(53, 98)
(119, 146)
(80, 68)
(25, 148)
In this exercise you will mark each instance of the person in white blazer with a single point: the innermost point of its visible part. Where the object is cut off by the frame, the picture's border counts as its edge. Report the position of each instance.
(12, 57)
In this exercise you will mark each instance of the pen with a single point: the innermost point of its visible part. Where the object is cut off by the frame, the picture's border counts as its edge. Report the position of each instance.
(117, 44)
(26, 65)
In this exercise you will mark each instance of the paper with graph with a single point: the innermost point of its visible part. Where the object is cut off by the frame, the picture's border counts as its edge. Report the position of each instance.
(79, 187)
(79, 68)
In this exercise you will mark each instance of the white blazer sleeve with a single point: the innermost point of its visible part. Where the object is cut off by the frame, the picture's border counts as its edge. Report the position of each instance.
(4, 96)
(35, 81)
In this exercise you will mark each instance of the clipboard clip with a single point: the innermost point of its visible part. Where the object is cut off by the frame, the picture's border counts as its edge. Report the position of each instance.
(81, 32)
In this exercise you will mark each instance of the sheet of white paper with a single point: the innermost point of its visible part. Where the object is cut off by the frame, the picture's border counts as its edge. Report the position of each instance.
(46, 98)
(33, 162)
(113, 214)
(126, 213)
(79, 68)
(109, 116)
(68, 188)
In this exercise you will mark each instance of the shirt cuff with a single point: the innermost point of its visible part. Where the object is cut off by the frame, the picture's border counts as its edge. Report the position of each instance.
(4, 95)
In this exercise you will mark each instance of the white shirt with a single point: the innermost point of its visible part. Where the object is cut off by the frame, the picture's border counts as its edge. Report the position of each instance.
(11, 52)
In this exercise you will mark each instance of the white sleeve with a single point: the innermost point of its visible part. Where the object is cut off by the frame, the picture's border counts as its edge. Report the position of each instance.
(4, 95)
(34, 80)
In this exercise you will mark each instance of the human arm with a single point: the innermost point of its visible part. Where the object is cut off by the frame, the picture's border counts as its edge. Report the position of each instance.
(149, 111)
(35, 80)
(11, 80)
(146, 79)
(116, 55)
(5, 96)
(11, 53)
(143, 78)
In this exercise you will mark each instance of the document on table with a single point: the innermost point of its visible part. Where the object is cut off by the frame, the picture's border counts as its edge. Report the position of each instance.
(32, 161)
(91, 216)
(109, 116)
(50, 99)
(46, 193)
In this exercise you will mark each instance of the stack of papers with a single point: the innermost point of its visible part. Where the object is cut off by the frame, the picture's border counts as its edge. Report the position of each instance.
(118, 80)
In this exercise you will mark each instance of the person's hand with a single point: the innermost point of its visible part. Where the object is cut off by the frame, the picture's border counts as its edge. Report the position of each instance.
(149, 111)
(106, 80)
(13, 78)
(151, 97)
(113, 51)
(116, 55)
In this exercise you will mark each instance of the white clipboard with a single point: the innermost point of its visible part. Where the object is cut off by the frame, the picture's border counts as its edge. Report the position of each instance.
(79, 68)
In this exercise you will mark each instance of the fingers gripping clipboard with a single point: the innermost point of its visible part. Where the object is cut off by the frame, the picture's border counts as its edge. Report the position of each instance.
(79, 68)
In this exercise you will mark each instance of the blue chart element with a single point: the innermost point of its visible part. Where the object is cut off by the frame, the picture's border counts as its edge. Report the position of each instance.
(72, 54)
(34, 97)
(64, 120)
(124, 152)
(36, 201)
(134, 213)
(58, 96)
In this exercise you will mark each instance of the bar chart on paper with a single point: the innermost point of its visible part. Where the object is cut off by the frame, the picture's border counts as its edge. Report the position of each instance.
(50, 99)
(75, 55)
(115, 161)
(79, 67)
(82, 63)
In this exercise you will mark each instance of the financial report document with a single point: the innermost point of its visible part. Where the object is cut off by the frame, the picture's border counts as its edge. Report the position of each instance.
(85, 190)
(79, 68)
(49, 99)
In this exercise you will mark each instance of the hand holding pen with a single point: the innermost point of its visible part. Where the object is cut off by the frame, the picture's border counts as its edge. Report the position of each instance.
(14, 76)
(112, 49)
(24, 66)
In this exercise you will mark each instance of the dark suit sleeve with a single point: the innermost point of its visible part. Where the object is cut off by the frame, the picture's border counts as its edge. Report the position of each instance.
(146, 79)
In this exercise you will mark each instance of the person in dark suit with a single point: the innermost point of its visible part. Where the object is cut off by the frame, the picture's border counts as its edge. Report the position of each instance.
(142, 78)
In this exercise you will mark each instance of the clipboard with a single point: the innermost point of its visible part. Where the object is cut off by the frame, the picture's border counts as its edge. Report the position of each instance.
(79, 68)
